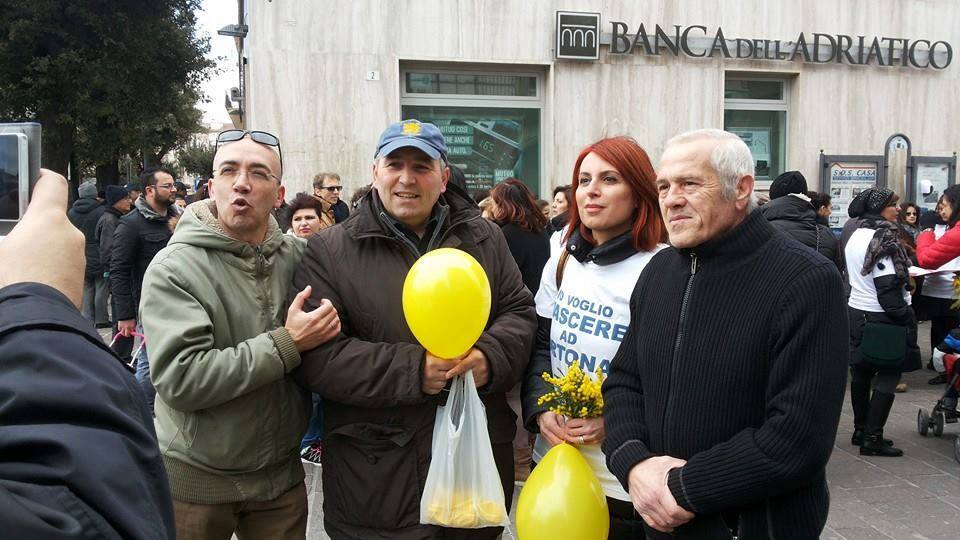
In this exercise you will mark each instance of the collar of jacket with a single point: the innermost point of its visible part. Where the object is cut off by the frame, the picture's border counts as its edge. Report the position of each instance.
(612, 252)
(792, 207)
(368, 223)
(199, 227)
(737, 244)
(324, 204)
(114, 211)
(559, 221)
(148, 212)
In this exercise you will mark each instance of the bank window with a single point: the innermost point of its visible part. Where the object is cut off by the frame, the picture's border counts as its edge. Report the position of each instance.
(490, 120)
(756, 110)
(475, 84)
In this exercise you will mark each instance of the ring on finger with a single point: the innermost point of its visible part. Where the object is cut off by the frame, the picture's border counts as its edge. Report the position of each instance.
(581, 440)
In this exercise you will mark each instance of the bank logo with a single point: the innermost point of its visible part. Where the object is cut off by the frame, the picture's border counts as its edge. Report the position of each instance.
(578, 35)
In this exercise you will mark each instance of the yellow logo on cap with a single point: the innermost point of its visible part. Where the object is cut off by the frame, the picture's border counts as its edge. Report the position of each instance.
(411, 128)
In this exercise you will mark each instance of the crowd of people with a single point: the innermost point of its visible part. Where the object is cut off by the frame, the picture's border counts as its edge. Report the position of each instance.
(274, 334)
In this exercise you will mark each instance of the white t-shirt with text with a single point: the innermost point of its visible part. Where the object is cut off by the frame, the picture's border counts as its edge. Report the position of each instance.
(590, 314)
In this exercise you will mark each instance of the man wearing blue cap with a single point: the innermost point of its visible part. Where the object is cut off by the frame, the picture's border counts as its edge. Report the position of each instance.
(380, 387)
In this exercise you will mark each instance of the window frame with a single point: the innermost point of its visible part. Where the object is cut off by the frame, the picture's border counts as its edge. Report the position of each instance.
(775, 105)
(411, 98)
(538, 101)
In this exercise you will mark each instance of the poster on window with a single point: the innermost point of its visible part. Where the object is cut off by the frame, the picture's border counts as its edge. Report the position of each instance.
(487, 144)
(758, 141)
(931, 180)
(847, 180)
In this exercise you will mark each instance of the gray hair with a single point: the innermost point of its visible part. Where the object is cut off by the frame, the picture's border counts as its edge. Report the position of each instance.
(730, 158)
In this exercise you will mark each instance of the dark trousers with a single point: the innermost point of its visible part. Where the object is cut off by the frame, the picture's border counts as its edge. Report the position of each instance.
(625, 524)
(95, 293)
(942, 319)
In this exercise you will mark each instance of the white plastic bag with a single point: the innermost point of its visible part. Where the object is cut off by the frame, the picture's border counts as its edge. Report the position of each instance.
(937, 359)
(463, 488)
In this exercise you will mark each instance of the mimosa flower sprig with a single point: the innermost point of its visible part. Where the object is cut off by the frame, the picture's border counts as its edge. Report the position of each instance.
(575, 395)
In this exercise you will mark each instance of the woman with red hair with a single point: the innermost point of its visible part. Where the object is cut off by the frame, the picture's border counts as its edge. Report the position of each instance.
(583, 303)
(513, 207)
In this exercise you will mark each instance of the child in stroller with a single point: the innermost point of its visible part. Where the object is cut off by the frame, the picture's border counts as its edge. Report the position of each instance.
(945, 360)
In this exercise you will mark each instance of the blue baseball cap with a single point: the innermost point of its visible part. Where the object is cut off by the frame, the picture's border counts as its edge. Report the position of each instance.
(423, 136)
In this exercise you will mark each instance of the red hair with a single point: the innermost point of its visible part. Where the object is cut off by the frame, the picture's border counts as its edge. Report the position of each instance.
(515, 204)
(633, 164)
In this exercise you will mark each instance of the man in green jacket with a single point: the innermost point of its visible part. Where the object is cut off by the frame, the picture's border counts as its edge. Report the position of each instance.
(229, 418)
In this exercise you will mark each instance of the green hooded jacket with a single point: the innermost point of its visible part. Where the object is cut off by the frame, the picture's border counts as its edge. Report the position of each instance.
(229, 419)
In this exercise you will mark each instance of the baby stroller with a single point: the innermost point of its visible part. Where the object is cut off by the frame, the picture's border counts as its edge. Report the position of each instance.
(945, 360)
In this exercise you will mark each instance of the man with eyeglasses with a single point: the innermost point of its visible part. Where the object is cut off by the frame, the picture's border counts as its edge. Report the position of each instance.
(229, 417)
(139, 236)
(380, 388)
(328, 188)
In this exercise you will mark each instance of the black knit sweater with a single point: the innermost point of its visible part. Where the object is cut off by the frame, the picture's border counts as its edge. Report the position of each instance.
(735, 361)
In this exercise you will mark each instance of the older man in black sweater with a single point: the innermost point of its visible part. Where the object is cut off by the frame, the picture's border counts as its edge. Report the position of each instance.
(723, 401)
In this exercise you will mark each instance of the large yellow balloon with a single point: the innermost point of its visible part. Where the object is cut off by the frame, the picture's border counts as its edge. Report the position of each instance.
(562, 498)
(446, 301)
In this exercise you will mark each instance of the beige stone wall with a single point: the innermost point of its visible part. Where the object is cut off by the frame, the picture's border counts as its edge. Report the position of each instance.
(308, 60)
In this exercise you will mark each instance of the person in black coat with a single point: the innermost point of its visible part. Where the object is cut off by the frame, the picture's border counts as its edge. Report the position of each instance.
(139, 236)
(723, 400)
(791, 212)
(822, 205)
(524, 226)
(80, 457)
(560, 207)
(877, 267)
(84, 215)
(118, 204)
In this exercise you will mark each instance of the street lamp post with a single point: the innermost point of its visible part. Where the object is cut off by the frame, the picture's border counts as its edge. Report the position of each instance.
(238, 32)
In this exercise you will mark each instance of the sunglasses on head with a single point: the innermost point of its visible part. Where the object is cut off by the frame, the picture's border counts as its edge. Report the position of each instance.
(262, 137)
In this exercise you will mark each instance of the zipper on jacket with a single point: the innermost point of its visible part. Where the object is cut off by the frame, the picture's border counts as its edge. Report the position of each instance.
(431, 244)
(675, 362)
(263, 291)
(402, 238)
(436, 231)
(260, 261)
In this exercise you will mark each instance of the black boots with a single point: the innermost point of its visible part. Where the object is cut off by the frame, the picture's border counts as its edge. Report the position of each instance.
(873, 446)
(873, 442)
(859, 435)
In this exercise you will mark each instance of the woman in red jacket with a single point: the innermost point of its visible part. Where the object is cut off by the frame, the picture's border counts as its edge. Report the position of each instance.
(934, 252)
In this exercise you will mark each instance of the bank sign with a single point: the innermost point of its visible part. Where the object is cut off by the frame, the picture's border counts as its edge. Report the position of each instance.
(579, 36)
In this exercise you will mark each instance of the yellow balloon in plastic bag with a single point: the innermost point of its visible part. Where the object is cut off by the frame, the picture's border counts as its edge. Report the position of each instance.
(446, 301)
(562, 498)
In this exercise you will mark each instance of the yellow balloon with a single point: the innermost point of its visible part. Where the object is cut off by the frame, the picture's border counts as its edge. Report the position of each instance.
(446, 301)
(562, 498)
